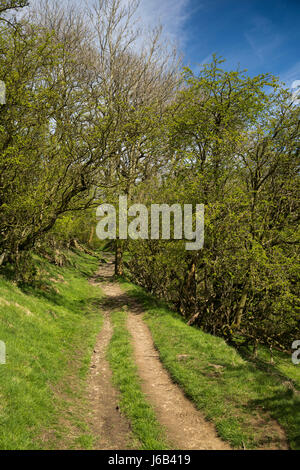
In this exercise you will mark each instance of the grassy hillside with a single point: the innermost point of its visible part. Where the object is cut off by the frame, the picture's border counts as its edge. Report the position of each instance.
(49, 332)
(238, 394)
(50, 329)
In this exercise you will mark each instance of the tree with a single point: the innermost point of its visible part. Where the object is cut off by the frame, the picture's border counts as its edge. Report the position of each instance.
(8, 5)
(138, 85)
(51, 145)
(234, 147)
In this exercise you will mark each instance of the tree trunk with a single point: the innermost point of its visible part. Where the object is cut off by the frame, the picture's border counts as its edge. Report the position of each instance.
(255, 348)
(2, 257)
(188, 291)
(118, 258)
(91, 235)
(241, 306)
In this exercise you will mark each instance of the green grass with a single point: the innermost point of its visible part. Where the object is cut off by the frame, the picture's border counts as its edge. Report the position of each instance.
(283, 366)
(231, 390)
(49, 332)
(133, 403)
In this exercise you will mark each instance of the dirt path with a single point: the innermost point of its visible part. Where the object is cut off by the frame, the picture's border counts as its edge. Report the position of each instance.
(186, 428)
(108, 424)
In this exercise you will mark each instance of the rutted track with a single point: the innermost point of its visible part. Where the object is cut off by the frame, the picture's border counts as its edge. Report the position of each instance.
(109, 426)
(185, 426)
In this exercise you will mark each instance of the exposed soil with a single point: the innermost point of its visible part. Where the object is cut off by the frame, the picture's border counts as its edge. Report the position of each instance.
(185, 426)
(109, 426)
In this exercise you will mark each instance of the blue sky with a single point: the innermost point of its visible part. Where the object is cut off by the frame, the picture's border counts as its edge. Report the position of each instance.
(260, 35)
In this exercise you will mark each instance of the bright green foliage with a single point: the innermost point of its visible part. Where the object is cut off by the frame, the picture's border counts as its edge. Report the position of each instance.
(6, 5)
(235, 148)
(238, 394)
(88, 116)
(49, 334)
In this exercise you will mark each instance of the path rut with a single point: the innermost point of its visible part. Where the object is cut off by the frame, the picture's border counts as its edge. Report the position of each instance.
(186, 428)
(110, 427)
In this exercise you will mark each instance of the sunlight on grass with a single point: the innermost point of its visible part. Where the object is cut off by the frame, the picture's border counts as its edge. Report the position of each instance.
(49, 332)
(133, 403)
(231, 391)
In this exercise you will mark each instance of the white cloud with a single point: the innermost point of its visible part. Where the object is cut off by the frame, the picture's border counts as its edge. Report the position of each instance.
(171, 14)
(291, 75)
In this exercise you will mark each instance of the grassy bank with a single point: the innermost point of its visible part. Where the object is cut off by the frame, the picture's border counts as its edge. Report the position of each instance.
(49, 330)
(133, 404)
(238, 394)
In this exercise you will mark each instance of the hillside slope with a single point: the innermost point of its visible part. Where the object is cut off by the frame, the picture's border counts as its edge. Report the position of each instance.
(49, 331)
(253, 403)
